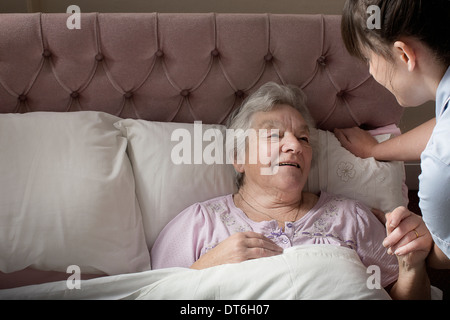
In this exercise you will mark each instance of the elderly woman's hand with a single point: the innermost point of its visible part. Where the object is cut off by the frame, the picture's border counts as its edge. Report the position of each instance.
(408, 237)
(237, 248)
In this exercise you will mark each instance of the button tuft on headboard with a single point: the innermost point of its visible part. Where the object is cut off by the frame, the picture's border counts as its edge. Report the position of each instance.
(185, 93)
(159, 53)
(215, 53)
(268, 57)
(240, 94)
(128, 95)
(74, 95)
(322, 60)
(99, 57)
(340, 94)
(46, 53)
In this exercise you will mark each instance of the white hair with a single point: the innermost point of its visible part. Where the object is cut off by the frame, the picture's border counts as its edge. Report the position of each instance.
(265, 99)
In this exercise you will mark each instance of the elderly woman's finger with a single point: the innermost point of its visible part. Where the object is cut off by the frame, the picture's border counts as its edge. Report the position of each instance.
(256, 240)
(256, 253)
(381, 216)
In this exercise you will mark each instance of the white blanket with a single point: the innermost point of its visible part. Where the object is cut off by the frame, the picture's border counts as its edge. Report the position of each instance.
(303, 272)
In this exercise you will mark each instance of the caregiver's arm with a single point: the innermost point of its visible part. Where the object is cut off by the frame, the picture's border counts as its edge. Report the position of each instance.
(437, 259)
(405, 147)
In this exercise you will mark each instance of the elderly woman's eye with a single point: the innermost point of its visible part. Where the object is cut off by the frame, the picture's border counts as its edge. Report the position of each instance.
(274, 135)
(306, 139)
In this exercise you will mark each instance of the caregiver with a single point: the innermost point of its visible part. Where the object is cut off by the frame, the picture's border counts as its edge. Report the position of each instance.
(409, 54)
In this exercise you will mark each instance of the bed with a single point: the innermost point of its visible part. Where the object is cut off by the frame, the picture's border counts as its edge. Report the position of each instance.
(87, 122)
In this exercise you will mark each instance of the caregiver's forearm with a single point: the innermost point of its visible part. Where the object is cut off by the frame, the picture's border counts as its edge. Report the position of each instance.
(437, 259)
(406, 147)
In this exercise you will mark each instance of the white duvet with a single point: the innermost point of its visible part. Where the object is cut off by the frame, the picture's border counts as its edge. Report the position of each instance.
(303, 272)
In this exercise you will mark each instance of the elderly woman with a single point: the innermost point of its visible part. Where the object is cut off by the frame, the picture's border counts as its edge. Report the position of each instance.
(271, 211)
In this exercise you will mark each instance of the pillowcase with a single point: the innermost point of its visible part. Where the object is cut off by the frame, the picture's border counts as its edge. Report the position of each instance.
(376, 184)
(68, 195)
(165, 188)
(166, 183)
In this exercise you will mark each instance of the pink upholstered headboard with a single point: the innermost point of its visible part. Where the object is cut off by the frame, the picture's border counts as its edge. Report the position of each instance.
(184, 67)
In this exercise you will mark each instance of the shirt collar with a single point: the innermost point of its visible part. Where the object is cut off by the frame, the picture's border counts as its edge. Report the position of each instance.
(443, 93)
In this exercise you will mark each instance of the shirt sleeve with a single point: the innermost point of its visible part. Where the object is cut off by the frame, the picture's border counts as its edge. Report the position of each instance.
(179, 244)
(434, 194)
(370, 236)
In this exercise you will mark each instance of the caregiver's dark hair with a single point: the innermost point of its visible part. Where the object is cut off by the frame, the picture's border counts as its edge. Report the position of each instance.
(425, 20)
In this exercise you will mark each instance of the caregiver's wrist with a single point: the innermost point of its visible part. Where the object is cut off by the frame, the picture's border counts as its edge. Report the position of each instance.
(378, 152)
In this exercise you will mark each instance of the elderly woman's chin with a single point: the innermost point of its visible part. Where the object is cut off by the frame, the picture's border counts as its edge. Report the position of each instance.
(290, 179)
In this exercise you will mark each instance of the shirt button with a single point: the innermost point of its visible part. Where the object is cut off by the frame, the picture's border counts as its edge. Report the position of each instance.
(289, 225)
(285, 240)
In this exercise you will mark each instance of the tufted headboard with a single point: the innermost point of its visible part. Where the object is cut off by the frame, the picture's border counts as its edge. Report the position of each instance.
(184, 67)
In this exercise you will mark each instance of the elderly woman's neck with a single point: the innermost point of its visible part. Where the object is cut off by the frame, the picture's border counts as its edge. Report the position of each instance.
(263, 204)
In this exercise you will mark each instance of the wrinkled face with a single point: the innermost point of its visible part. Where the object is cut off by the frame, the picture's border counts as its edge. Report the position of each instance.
(284, 152)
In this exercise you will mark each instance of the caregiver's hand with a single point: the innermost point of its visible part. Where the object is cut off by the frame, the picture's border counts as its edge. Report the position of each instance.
(357, 141)
(407, 237)
(237, 248)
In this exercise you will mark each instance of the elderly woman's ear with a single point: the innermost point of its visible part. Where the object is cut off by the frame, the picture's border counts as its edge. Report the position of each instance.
(239, 167)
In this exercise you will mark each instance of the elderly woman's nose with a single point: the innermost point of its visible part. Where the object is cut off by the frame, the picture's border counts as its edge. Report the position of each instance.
(290, 143)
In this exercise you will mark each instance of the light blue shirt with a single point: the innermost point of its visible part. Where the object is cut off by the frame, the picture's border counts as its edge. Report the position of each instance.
(434, 182)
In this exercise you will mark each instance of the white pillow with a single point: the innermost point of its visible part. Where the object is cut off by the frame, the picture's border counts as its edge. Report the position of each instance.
(67, 195)
(164, 188)
(378, 185)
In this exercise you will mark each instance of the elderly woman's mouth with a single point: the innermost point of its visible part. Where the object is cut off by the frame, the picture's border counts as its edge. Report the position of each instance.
(291, 164)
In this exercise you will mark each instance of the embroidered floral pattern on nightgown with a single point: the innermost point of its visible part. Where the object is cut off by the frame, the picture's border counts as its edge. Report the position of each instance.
(321, 227)
(227, 219)
(216, 207)
(319, 230)
(230, 222)
(219, 208)
(278, 235)
(323, 223)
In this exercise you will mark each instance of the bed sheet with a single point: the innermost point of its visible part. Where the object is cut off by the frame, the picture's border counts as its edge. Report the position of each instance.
(303, 272)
